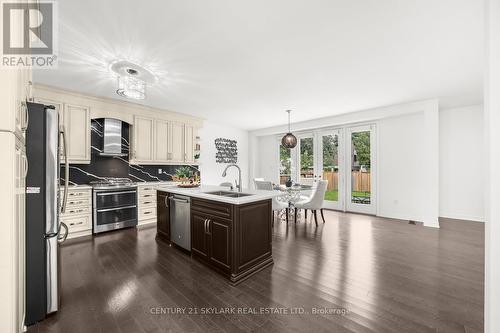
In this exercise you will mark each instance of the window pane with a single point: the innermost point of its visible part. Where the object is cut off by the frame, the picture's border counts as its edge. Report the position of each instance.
(306, 161)
(360, 168)
(285, 164)
(331, 166)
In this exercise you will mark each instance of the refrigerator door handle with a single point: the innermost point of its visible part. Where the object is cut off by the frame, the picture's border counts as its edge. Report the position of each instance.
(25, 160)
(66, 171)
(62, 238)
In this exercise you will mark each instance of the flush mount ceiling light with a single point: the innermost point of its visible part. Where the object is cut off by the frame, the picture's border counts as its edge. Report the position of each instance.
(289, 140)
(132, 79)
(130, 87)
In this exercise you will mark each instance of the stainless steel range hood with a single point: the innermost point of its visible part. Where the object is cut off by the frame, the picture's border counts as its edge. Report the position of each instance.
(112, 138)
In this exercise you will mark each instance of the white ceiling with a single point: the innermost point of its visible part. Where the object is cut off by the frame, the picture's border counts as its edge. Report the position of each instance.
(244, 62)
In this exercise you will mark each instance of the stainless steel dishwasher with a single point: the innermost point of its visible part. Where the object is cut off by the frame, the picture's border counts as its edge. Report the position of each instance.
(180, 221)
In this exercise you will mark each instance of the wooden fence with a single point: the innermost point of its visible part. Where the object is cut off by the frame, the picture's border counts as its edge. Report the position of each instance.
(361, 181)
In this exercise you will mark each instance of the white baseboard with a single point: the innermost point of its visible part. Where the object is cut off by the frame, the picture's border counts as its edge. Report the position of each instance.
(465, 217)
(400, 216)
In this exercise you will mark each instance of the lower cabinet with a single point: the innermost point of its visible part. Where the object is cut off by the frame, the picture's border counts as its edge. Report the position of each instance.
(199, 237)
(78, 215)
(163, 216)
(146, 203)
(234, 240)
(211, 239)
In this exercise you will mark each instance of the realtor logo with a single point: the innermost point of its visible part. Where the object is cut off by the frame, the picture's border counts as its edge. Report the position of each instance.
(28, 34)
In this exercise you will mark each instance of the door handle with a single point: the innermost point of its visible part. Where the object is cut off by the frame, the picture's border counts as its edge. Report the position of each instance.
(62, 238)
(208, 226)
(205, 225)
(66, 171)
(25, 160)
(166, 202)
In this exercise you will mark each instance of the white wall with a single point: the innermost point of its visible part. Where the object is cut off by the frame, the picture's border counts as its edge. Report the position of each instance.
(408, 156)
(492, 179)
(211, 172)
(401, 174)
(268, 165)
(462, 163)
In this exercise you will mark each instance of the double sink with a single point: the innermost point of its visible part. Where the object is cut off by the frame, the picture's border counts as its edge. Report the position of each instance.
(229, 194)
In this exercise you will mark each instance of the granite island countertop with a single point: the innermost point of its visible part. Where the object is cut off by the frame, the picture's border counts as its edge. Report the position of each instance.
(201, 192)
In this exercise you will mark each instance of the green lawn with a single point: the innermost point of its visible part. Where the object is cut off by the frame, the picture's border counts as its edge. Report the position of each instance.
(333, 195)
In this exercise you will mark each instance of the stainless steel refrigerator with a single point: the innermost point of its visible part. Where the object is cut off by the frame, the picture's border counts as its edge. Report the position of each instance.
(44, 230)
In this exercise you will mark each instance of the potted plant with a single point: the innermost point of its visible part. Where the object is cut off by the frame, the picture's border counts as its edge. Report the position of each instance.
(183, 173)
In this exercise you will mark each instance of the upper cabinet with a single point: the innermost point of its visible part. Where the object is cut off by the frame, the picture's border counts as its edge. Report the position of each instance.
(162, 141)
(189, 143)
(77, 132)
(60, 111)
(158, 141)
(15, 91)
(177, 143)
(143, 140)
(156, 137)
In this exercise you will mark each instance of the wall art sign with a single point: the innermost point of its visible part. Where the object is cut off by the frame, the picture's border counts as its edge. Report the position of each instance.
(227, 150)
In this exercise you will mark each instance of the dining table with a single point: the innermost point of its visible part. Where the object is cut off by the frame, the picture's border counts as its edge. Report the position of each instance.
(292, 195)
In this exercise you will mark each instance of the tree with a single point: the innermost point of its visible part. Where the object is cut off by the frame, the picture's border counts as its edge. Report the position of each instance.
(306, 154)
(361, 143)
(285, 161)
(330, 152)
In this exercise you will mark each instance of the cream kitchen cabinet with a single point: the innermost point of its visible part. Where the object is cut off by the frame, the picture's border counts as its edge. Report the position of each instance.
(146, 203)
(59, 106)
(162, 141)
(189, 143)
(158, 141)
(75, 120)
(78, 215)
(14, 92)
(77, 130)
(143, 140)
(177, 143)
(12, 240)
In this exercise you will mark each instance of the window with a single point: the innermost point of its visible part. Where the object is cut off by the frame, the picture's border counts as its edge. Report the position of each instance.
(285, 164)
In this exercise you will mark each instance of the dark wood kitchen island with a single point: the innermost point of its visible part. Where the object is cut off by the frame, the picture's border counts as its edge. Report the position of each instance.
(230, 234)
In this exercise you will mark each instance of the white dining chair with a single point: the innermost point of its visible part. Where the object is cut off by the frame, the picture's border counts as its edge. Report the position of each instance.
(314, 202)
(277, 206)
(263, 185)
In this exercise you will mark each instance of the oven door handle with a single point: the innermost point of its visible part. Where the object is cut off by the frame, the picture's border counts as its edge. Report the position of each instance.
(116, 208)
(113, 193)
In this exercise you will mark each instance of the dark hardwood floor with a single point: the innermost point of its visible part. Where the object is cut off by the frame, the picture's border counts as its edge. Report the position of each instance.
(376, 274)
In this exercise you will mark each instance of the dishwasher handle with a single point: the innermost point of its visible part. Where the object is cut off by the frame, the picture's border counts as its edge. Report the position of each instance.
(180, 199)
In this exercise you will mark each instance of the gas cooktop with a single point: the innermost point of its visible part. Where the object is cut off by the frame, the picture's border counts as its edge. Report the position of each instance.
(112, 182)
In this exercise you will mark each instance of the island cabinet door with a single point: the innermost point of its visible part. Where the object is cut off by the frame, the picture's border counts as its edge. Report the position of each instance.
(220, 243)
(199, 235)
(163, 216)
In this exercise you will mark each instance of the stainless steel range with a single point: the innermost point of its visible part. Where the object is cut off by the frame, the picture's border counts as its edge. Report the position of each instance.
(114, 204)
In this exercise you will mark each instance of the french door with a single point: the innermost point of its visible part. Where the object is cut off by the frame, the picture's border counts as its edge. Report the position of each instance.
(329, 167)
(361, 164)
(346, 158)
(319, 156)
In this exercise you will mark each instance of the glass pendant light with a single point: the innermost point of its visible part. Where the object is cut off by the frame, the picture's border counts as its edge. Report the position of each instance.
(289, 140)
(130, 87)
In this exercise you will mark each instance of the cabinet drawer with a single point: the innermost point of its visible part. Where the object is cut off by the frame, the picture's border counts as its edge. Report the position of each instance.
(72, 211)
(72, 194)
(146, 189)
(147, 195)
(147, 213)
(79, 223)
(146, 202)
(211, 207)
(77, 202)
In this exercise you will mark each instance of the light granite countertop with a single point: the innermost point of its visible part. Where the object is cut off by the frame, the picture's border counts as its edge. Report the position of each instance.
(201, 192)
